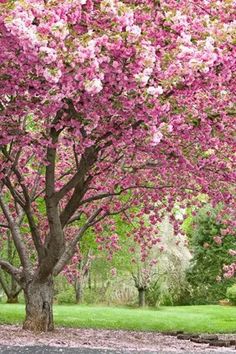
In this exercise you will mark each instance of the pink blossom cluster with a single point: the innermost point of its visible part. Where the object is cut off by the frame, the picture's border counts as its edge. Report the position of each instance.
(230, 270)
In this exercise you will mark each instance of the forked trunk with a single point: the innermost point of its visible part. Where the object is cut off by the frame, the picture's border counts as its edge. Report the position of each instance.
(141, 297)
(10, 288)
(39, 303)
(12, 295)
(12, 299)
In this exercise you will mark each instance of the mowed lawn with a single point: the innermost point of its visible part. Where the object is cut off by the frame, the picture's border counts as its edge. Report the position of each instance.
(197, 319)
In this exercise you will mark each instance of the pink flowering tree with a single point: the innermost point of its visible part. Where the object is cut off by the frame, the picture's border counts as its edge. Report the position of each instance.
(106, 105)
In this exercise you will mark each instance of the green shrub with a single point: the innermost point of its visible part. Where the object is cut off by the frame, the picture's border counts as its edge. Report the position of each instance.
(231, 294)
(66, 297)
(153, 294)
(92, 297)
(205, 274)
(121, 292)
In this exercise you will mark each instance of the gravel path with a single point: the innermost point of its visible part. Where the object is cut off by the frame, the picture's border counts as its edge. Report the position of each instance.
(59, 350)
(91, 341)
(50, 350)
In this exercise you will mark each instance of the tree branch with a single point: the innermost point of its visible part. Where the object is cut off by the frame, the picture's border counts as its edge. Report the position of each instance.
(26, 205)
(18, 291)
(55, 239)
(75, 218)
(16, 196)
(9, 268)
(107, 195)
(110, 214)
(29, 213)
(74, 201)
(70, 249)
(86, 161)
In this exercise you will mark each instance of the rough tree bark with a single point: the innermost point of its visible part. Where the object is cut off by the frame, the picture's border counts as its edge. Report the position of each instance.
(39, 303)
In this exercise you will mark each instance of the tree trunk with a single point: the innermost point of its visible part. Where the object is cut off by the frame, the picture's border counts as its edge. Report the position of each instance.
(141, 297)
(12, 296)
(79, 291)
(89, 281)
(12, 299)
(39, 303)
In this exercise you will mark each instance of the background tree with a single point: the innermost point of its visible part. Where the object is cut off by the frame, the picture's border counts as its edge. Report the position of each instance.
(99, 99)
(78, 271)
(210, 248)
(171, 286)
(158, 275)
(8, 251)
(7, 281)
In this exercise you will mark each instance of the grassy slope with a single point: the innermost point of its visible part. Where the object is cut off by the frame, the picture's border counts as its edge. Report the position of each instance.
(210, 319)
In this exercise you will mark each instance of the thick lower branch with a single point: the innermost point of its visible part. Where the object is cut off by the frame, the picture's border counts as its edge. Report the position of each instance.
(73, 203)
(9, 268)
(87, 160)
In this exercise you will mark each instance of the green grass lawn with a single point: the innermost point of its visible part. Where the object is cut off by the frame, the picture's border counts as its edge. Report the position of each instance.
(212, 319)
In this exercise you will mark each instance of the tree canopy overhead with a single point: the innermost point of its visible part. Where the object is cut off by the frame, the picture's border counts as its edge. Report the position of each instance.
(105, 105)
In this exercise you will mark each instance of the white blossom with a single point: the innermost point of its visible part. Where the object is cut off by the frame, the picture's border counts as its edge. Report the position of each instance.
(93, 86)
(142, 78)
(135, 30)
(155, 91)
(157, 137)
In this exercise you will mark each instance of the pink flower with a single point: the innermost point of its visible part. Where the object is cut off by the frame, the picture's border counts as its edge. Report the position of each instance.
(232, 252)
(217, 240)
(113, 272)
